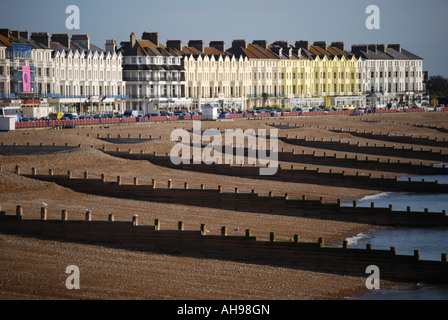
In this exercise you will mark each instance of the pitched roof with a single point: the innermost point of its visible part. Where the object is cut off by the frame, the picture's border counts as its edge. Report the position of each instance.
(147, 48)
(251, 51)
(371, 51)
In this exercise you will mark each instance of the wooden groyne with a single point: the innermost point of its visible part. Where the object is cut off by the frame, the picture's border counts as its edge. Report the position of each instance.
(246, 249)
(375, 149)
(404, 139)
(246, 202)
(119, 139)
(15, 149)
(434, 127)
(292, 174)
(361, 162)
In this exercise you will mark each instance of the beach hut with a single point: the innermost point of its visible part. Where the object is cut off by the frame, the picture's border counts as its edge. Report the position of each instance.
(209, 112)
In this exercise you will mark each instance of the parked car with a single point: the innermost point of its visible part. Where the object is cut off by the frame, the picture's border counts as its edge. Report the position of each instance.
(224, 115)
(71, 115)
(132, 113)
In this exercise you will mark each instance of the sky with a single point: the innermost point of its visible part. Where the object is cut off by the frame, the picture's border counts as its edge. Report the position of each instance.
(419, 26)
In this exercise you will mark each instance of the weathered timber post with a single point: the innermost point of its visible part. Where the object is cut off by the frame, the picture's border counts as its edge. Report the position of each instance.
(417, 254)
(64, 215)
(321, 242)
(43, 213)
(203, 230)
(19, 211)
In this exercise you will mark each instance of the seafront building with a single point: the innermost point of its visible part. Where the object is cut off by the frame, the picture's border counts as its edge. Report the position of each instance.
(67, 74)
(390, 74)
(71, 74)
(154, 75)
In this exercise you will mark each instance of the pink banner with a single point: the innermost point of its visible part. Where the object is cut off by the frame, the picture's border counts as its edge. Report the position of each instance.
(26, 78)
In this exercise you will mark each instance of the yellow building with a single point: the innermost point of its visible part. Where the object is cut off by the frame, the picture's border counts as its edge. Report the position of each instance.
(335, 75)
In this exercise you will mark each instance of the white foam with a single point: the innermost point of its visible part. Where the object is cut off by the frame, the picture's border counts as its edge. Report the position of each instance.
(359, 238)
(377, 196)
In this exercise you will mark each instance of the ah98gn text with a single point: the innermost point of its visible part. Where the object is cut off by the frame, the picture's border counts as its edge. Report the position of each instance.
(237, 309)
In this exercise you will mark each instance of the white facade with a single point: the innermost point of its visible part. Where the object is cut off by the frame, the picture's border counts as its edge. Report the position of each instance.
(154, 75)
(390, 75)
(71, 75)
(89, 78)
(4, 73)
(220, 81)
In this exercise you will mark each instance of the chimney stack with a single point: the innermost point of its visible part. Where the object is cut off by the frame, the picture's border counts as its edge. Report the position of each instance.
(339, 44)
(303, 44)
(151, 36)
(132, 40)
(261, 43)
(174, 44)
(358, 47)
(372, 48)
(239, 43)
(396, 47)
(220, 45)
(42, 38)
(111, 46)
(5, 32)
(381, 47)
(62, 38)
(25, 35)
(82, 39)
(197, 44)
(321, 44)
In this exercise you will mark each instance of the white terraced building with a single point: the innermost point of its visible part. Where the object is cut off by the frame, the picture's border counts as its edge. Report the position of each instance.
(154, 75)
(390, 75)
(88, 78)
(68, 74)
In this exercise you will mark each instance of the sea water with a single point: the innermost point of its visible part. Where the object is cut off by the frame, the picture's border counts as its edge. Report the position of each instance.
(431, 242)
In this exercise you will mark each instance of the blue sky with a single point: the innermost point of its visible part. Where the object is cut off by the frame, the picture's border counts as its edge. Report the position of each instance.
(420, 26)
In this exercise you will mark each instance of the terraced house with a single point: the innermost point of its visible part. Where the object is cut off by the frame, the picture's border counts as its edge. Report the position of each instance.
(277, 74)
(390, 74)
(67, 74)
(215, 77)
(154, 75)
